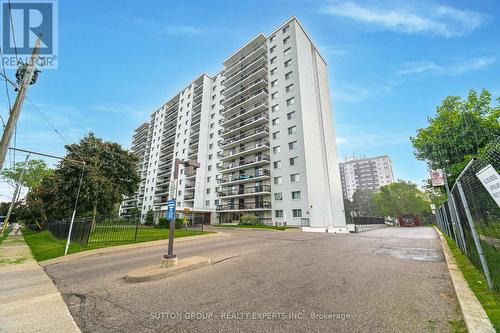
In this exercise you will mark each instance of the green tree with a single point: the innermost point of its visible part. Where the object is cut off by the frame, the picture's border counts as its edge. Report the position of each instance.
(362, 203)
(401, 198)
(109, 173)
(34, 173)
(458, 131)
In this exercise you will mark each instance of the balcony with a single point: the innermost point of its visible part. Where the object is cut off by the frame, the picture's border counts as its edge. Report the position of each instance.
(254, 53)
(245, 206)
(253, 109)
(247, 136)
(265, 189)
(189, 197)
(259, 146)
(249, 69)
(259, 82)
(237, 179)
(245, 163)
(256, 96)
(258, 119)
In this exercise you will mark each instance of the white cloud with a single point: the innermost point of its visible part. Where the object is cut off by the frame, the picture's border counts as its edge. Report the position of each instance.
(420, 68)
(167, 29)
(426, 19)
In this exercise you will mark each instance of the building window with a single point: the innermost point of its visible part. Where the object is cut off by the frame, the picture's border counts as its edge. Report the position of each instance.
(277, 164)
(209, 168)
(289, 75)
(276, 150)
(292, 130)
(278, 196)
(208, 179)
(273, 71)
(278, 213)
(271, 50)
(210, 156)
(275, 108)
(289, 88)
(292, 145)
(290, 115)
(286, 40)
(287, 51)
(273, 60)
(272, 38)
(274, 83)
(285, 29)
(293, 160)
(294, 178)
(276, 121)
(288, 63)
(297, 212)
(208, 191)
(290, 101)
(210, 146)
(296, 195)
(276, 135)
(277, 180)
(274, 95)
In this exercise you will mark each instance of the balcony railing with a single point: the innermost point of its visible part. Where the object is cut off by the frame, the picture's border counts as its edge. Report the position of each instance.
(246, 190)
(245, 161)
(243, 149)
(259, 173)
(245, 206)
(244, 89)
(188, 197)
(245, 56)
(261, 115)
(243, 100)
(243, 111)
(244, 135)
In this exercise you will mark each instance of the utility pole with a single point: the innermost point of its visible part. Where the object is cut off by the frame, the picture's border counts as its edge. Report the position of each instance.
(16, 194)
(27, 71)
(169, 258)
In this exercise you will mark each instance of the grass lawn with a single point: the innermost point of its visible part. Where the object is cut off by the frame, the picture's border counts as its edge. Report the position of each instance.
(490, 300)
(272, 227)
(45, 246)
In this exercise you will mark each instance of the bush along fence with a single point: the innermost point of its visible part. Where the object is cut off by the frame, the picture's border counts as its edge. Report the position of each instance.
(111, 230)
(471, 215)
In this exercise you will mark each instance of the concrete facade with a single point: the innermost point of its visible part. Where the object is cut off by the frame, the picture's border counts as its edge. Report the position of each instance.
(262, 131)
(368, 173)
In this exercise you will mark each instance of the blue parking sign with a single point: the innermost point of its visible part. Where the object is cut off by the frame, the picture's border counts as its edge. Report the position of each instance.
(171, 210)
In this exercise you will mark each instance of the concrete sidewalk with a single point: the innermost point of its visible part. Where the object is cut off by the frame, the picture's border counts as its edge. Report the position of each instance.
(29, 300)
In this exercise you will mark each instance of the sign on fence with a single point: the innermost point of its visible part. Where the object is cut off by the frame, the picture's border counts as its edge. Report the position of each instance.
(437, 177)
(171, 210)
(491, 181)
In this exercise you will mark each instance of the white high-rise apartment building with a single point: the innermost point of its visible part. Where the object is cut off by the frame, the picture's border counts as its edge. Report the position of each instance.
(262, 131)
(369, 173)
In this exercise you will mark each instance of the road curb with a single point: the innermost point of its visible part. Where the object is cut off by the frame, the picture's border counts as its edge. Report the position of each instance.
(105, 250)
(475, 318)
(157, 272)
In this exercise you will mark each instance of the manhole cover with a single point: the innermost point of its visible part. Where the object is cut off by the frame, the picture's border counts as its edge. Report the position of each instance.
(410, 253)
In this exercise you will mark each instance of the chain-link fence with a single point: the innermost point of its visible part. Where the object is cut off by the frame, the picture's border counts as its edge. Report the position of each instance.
(471, 217)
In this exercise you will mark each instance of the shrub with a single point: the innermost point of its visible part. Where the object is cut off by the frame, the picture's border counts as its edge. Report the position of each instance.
(164, 223)
(249, 220)
(149, 220)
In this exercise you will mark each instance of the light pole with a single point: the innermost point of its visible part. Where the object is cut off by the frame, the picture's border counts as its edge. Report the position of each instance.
(169, 258)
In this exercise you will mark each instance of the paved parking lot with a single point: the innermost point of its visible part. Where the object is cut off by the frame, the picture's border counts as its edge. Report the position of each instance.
(386, 280)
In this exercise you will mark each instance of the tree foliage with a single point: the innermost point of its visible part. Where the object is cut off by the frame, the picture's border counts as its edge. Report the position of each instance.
(109, 174)
(362, 203)
(458, 131)
(401, 198)
(34, 172)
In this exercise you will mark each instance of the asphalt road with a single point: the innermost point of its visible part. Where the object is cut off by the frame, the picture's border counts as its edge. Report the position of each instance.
(386, 280)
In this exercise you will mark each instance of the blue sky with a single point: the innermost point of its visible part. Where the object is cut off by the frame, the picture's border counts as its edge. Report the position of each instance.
(390, 65)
